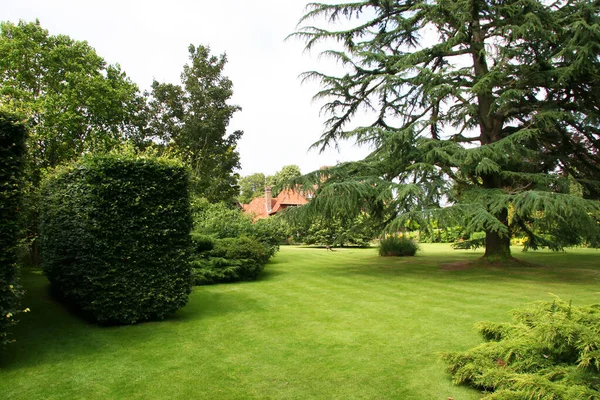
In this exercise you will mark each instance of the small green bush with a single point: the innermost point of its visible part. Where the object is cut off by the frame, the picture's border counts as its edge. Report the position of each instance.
(551, 350)
(12, 152)
(397, 247)
(115, 237)
(202, 243)
(229, 260)
(222, 221)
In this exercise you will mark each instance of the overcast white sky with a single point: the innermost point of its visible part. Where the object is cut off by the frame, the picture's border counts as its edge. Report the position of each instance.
(149, 39)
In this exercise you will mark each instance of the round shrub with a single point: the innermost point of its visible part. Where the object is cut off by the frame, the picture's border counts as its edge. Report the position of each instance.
(12, 152)
(397, 246)
(202, 243)
(115, 237)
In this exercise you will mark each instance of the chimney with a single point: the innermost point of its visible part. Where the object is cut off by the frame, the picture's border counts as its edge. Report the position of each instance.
(268, 198)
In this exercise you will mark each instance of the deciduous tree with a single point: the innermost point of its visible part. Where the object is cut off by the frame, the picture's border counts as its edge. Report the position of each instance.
(252, 186)
(75, 102)
(192, 121)
(284, 176)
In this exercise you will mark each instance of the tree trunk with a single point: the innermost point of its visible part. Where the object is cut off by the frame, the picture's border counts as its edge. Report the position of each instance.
(497, 247)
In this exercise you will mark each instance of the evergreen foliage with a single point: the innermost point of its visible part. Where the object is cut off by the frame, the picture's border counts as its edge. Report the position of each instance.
(335, 232)
(551, 350)
(222, 221)
(228, 246)
(228, 259)
(397, 246)
(493, 125)
(12, 154)
(115, 236)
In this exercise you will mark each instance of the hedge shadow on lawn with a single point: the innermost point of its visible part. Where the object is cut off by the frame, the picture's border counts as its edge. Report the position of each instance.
(269, 274)
(53, 334)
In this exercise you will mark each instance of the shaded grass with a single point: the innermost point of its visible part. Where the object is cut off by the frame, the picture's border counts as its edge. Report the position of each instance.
(325, 325)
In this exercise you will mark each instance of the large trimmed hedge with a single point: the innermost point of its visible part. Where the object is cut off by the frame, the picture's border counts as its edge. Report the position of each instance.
(12, 152)
(115, 237)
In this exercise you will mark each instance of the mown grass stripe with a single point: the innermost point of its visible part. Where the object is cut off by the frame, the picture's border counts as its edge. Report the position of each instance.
(318, 325)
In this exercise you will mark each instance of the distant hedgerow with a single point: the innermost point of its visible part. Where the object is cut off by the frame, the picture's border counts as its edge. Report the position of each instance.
(397, 246)
(12, 152)
(115, 236)
(551, 350)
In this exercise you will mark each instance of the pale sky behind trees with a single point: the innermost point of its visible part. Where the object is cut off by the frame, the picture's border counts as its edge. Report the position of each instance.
(149, 39)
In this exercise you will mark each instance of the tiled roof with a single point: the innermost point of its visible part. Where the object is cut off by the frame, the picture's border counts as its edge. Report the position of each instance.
(288, 198)
(257, 207)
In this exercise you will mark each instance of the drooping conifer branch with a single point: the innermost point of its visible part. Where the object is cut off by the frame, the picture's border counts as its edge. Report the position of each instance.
(485, 114)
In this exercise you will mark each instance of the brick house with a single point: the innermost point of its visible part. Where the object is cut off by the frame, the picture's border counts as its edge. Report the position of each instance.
(263, 207)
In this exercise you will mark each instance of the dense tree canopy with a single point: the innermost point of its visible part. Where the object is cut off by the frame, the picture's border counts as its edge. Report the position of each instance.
(283, 176)
(192, 121)
(252, 186)
(73, 100)
(484, 112)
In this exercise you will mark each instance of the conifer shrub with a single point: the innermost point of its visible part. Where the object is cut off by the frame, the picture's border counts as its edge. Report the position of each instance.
(115, 237)
(229, 259)
(551, 350)
(221, 221)
(12, 153)
(397, 246)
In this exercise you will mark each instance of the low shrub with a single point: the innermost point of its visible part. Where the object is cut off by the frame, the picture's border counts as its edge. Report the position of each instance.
(222, 221)
(115, 237)
(397, 247)
(550, 350)
(229, 259)
(12, 153)
(435, 234)
(202, 243)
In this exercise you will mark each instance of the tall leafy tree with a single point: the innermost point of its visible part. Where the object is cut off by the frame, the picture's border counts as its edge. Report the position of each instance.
(282, 177)
(191, 120)
(252, 186)
(484, 112)
(74, 101)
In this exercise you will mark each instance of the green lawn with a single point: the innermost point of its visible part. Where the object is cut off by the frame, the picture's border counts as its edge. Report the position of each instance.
(318, 325)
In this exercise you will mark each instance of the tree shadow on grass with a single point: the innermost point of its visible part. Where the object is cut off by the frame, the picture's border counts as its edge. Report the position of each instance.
(52, 333)
(467, 268)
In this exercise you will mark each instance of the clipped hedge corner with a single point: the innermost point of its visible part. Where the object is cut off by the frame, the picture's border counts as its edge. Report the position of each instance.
(12, 152)
(115, 237)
